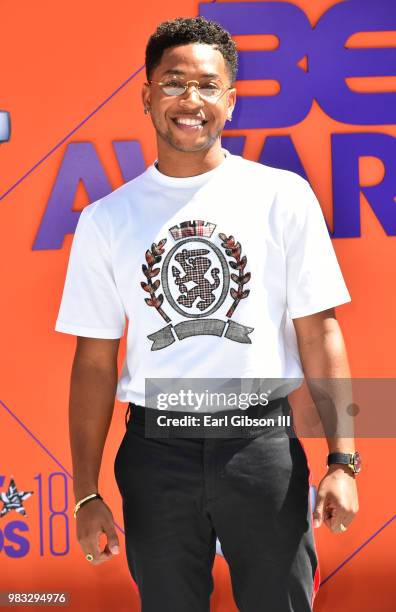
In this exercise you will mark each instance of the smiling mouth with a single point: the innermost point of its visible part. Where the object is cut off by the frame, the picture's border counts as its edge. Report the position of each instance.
(189, 124)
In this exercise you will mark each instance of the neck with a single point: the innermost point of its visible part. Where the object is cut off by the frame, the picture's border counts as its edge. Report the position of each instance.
(181, 164)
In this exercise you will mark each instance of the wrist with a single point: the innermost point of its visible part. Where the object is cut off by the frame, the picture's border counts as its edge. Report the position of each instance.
(338, 468)
(86, 500)
(82, 490)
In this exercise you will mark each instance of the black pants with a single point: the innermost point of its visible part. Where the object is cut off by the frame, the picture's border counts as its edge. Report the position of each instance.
(252, 492)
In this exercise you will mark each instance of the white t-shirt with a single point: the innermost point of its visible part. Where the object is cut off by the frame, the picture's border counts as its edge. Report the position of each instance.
(209, 270)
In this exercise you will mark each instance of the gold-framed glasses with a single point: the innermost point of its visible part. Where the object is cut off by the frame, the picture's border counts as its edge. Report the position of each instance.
(207, 90)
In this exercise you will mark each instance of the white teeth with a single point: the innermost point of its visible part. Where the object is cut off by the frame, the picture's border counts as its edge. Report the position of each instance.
(186, 121)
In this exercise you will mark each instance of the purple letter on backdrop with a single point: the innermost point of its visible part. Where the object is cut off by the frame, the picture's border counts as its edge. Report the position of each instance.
(331, 63)
(291, 25)
(280, 152)
(346, 150)
(81, 163)
(233, 144)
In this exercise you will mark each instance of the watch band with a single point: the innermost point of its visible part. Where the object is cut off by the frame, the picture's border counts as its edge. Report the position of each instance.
(352, 460)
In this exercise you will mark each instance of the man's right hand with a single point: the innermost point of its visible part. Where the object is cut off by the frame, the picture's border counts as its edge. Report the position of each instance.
(93, 519)
(93, 386)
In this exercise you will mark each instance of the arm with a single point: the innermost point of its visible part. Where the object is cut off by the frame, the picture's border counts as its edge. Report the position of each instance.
(323, 356)
(92, 393)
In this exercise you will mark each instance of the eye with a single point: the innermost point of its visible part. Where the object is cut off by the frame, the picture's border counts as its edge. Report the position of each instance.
(172, 87)
(172, 83)
(209, 90)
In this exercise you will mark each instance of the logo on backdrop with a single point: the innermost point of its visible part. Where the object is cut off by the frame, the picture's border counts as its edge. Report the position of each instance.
(196, 279)
(12, 542)
(13, 499)
(49, 519)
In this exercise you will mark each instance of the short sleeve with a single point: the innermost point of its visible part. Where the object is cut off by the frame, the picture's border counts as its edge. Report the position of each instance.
(91, 305)
(313, 276)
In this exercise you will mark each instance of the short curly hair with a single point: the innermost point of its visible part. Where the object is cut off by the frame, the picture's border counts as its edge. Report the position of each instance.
(188, 30)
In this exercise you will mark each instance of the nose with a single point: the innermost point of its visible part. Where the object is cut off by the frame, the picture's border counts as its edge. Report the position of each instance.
(191, 97)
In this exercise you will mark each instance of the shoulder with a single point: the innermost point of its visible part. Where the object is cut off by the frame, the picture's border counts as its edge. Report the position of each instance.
(114, 205)
(278, 180)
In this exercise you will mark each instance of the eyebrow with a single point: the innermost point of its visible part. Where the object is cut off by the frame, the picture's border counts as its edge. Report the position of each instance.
(210, 75)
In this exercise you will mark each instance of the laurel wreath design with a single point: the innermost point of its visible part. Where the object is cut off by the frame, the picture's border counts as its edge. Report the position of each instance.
(154, 256)
(234, 249)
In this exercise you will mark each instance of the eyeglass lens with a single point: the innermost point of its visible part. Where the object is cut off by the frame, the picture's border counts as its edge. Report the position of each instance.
(205, 89)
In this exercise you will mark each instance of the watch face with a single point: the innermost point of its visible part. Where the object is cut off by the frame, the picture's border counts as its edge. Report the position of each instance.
(357, 462)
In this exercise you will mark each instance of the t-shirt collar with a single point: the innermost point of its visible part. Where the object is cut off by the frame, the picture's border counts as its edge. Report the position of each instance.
(188, 181)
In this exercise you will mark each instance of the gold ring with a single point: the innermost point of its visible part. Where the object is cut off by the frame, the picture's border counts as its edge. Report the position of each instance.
(89, 557)
(342, 527)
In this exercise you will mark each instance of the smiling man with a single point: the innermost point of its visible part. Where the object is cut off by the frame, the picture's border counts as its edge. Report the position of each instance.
(189, 127)
(225, 270)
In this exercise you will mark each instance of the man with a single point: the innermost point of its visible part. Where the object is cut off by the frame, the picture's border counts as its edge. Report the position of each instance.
(210, 257)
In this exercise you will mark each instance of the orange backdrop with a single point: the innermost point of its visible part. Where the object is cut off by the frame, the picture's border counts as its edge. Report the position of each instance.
(60, 61)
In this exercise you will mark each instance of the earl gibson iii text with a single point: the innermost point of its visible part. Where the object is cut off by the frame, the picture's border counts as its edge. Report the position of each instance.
(208, 420)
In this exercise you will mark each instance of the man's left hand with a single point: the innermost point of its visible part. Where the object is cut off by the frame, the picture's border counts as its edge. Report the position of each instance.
(336, 499)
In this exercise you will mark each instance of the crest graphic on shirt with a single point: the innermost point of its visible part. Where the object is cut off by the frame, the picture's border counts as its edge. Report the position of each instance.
(195, 278)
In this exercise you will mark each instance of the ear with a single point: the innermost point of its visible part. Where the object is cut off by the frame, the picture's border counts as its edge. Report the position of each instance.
(231, 101)
(146, 95)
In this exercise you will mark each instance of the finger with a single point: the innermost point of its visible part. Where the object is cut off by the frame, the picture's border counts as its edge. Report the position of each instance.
(106, 552)
(104, 555)
(345, 522)
(100, 557)
(111, 547)
(339, 527)
(329, 514)
(330, 521)
(91, 545)
(340, 522)
(113, 544)
(90, 554)
(319, 509)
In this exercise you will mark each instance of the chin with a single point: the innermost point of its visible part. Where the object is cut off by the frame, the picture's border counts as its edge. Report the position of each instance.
(190, 147)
